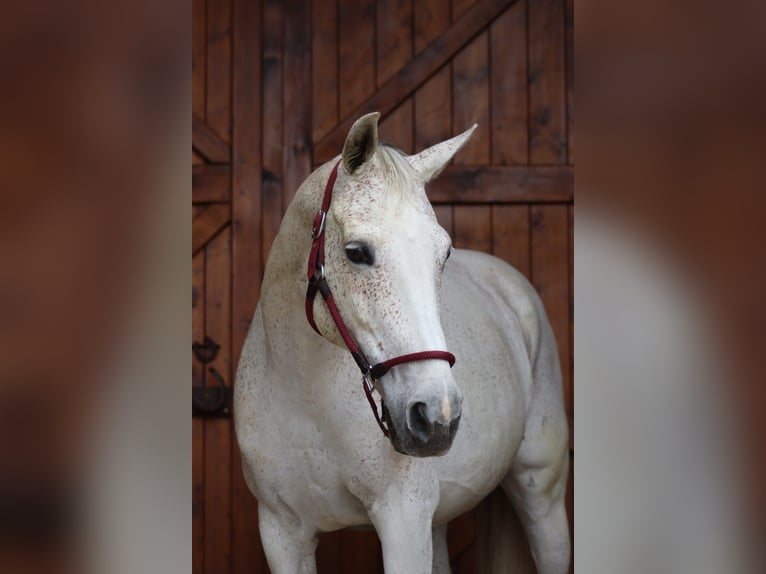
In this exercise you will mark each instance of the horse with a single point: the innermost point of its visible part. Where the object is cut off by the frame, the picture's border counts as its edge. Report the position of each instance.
(361, 265)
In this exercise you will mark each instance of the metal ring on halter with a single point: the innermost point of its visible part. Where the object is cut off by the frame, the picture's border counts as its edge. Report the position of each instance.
(319, 271)
(320, 228)
(369, 382)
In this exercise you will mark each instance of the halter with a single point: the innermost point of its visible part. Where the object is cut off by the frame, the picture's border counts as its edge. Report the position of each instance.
(318, 282)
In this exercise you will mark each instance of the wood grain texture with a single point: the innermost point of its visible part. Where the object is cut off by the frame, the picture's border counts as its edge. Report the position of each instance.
(394, 37)
(397, 130)
(218, 97)
(432, 101)
(199, 57)
(430, 19)
(272, 182)
(433, 110)
(461, 537)
(247, 553)
(470, 100)
(460, 7)
(198, 425)
(328, 554)
(510, 235)
(472, 226)
(547, 93)
(296, 124)
(518, 184)
(394, 50)
(208, 144)
(444, 217)
(207, 224)
(324, 67)
(360, 552)
(508, 49)
(217, 430)
(414, 74)
(357, 52)
(211, 183)
(570, 79)
(550, 276)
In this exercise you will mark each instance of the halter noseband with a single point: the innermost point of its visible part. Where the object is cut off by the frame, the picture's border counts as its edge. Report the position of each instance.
(318, 282)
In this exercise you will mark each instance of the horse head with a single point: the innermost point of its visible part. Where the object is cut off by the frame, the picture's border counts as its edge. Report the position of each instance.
(384, 257)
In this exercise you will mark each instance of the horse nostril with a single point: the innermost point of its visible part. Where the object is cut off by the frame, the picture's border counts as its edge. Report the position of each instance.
(453, 426)
(418, 423)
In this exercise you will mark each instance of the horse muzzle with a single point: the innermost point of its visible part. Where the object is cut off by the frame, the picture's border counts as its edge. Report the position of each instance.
(428, 428)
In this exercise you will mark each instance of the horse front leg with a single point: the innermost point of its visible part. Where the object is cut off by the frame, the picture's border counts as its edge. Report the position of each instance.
(288, 544)
(404, 523)
(441, 551)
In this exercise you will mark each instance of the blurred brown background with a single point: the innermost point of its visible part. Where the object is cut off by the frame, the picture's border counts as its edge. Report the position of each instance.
(275, 86)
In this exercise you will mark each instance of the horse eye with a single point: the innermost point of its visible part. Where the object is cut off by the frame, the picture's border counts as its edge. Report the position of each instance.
(360, 253)
(449, 252)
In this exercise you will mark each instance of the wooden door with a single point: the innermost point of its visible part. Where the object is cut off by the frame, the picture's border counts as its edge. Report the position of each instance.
(276, 85)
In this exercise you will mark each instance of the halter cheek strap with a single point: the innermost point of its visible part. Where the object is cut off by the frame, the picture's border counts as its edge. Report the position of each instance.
(318, 283)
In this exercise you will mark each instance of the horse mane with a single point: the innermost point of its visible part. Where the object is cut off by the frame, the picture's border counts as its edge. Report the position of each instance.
(397, 169)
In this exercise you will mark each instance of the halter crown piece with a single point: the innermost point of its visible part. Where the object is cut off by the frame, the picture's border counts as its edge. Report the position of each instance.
(318, 282)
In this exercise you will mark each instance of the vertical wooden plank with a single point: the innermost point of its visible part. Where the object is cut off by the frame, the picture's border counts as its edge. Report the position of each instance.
(199, 57)
(394, 50)
(508, 50)
(433, 100)
(470, 97)
(460, 7)
(394, 33)
(570, 79)
(217, 430)
(328, 554)
(510, 235)
(472, 227)
(324, 68)
(357, 53)
(247, 268)
(219, 67)
(273, 50)
(444, 217)
(430, 18)
(360, 552)
(465, 563)
(547, 93)
(297, 107)
(396, 129)
(550, 266)
(198, 424)
(433, 110)
(461, 541)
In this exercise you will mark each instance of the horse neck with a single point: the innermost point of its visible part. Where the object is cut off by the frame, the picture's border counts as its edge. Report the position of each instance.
(284, 282)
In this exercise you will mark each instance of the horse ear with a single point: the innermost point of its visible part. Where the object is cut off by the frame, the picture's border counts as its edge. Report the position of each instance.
(361, 142)
(429, 162)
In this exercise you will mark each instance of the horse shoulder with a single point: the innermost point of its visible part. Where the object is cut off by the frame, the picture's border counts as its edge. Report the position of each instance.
(508, 287)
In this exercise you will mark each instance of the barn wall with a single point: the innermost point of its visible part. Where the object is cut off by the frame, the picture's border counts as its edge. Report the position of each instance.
(275, 86)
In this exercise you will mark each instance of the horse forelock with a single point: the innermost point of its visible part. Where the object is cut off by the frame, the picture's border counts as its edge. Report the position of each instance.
(401, 177)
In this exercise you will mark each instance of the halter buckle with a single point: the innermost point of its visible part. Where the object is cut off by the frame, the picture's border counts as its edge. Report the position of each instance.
(369, 382)
(319, 221)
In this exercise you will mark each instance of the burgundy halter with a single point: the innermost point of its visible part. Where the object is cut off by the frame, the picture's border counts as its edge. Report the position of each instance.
(318, 282)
